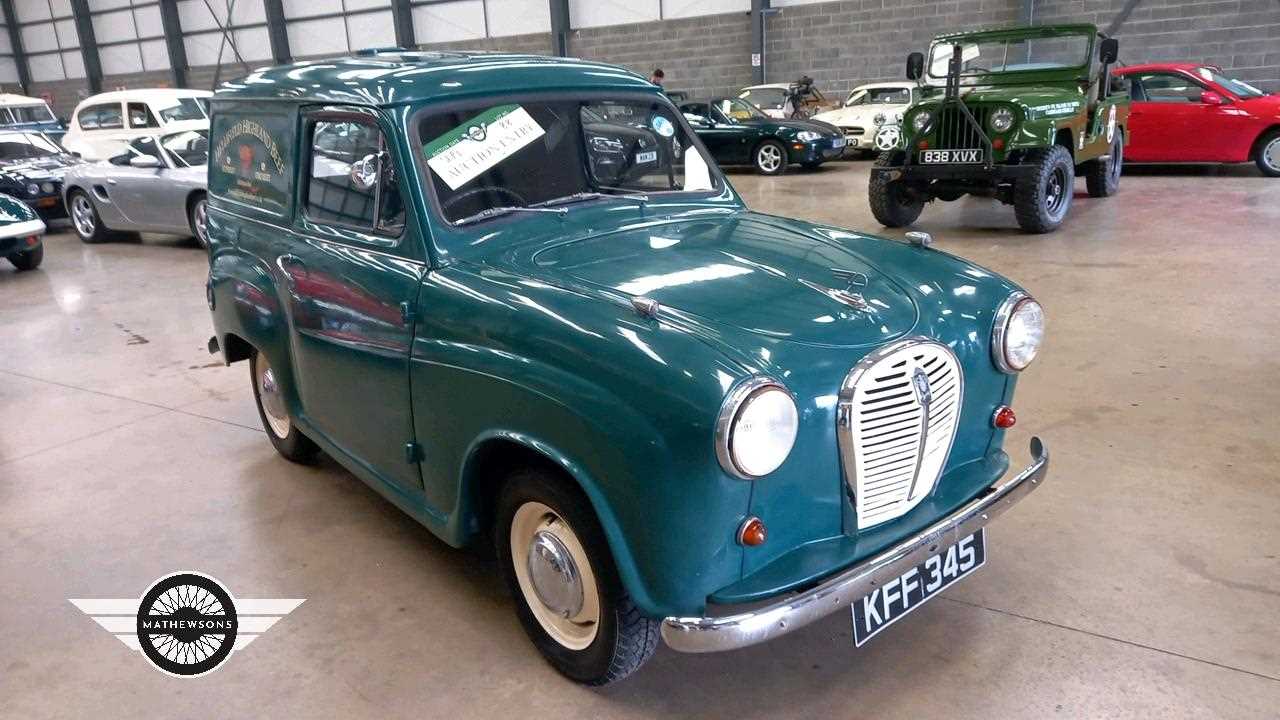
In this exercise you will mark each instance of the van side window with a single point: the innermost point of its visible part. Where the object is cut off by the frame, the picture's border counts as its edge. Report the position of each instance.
(353, 181)
(140, 116)
(101, 117)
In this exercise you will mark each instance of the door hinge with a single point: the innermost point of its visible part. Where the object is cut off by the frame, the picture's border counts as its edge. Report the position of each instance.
(413, 453)
(407, 316)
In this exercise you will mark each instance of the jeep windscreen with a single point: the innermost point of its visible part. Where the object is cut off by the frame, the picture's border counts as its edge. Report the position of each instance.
(499, 157)
(767, 98)
(1239, 88)
(989, 57)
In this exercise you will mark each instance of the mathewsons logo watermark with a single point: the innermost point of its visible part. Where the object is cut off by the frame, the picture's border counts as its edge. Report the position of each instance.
(186, 624)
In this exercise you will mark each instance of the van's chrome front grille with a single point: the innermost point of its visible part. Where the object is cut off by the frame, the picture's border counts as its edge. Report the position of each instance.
(898, 413)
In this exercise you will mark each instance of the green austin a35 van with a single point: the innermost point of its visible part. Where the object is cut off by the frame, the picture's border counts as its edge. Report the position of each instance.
(515, 296)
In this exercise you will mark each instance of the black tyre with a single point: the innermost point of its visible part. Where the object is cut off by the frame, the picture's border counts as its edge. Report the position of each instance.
(1102, 177)
(558, 567)
(1041, 200)
(1267, 156)
(892, 202)
(276, 421)
(197, 218)
(28, 259)
(770, 158)
(85, 218)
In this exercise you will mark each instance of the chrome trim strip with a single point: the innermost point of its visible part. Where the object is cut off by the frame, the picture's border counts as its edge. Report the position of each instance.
(1000, 327)
(727, 632)
(22, 229)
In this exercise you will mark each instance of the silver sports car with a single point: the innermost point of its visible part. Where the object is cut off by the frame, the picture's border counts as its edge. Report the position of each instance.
(156, 185)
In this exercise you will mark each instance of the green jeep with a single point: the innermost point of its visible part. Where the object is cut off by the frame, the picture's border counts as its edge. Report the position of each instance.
(1019, 114)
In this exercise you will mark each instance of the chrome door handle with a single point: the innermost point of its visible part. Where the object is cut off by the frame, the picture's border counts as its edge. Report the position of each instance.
(112, 181)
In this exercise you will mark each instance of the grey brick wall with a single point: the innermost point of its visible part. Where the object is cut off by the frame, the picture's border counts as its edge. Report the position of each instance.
(703, 56)
(1243, 36)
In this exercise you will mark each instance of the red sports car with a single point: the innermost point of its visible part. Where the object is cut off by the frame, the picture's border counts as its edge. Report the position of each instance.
(1185, 112)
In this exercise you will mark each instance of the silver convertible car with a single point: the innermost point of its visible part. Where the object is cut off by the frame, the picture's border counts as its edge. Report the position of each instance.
(156, 185)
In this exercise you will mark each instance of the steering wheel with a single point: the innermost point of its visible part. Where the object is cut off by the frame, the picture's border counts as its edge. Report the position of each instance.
(495, 189)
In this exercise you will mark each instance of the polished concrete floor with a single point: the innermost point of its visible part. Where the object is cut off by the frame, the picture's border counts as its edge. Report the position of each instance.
(1143, 581)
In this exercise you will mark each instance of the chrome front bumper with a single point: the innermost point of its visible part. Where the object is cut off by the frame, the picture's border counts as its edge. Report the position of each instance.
(727, 632)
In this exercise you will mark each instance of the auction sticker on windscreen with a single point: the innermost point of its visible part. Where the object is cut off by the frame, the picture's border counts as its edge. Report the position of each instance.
(466, 151)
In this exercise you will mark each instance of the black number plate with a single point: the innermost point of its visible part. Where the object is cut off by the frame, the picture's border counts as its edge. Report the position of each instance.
(913, 588)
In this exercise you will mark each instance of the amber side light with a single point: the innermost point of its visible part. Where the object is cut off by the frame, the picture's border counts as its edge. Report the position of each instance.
(1004, 417)
(752, 532)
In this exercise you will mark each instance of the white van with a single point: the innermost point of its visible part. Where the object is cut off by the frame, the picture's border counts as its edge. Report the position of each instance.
(103, 125)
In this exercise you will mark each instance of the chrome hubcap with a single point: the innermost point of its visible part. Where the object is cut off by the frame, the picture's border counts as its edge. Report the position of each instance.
(272, 401)
(82, 216)
(769, 158)
(554, 575)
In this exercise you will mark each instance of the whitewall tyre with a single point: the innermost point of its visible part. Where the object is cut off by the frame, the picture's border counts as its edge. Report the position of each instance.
(558, 567)
(268, 393)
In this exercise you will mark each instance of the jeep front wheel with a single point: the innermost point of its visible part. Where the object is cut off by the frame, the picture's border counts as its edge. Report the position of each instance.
(1041, 199)
(1102, 177)
(557, 564)
(892, 202)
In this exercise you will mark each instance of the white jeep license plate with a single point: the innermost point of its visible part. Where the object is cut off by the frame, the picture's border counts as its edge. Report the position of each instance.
(916, 586)
(933, 157)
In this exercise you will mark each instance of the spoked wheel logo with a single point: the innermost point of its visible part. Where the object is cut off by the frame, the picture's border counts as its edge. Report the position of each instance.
(187, 624)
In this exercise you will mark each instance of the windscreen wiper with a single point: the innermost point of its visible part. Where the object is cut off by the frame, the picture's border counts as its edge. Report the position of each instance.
(504, 210)
(591, 195)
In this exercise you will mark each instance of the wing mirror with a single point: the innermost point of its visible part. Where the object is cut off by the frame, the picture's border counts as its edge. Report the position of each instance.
(1209, 97)
(1108, 50)
(364, 173)
(915, 66)
(144, 161)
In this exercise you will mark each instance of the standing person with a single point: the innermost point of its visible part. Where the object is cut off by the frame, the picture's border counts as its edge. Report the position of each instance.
(657, 77)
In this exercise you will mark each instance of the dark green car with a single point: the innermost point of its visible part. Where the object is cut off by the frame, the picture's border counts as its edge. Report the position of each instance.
(517, 297)
(738, 133)
(21, 231)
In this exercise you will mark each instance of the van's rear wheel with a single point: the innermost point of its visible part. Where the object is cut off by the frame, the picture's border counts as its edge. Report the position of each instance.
(568, 597)
(276, 421)
(1041, 200)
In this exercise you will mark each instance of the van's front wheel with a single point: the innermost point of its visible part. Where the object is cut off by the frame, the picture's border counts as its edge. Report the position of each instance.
(557, 564)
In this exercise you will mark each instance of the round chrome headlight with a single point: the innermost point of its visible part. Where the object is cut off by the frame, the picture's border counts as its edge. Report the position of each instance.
(1001, 119)
(921, 121)
(879, 118)
(1018, 332)
(756, 428)
(33, 189)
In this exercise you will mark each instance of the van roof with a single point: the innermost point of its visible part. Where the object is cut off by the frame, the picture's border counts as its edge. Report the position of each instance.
(396, 77)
